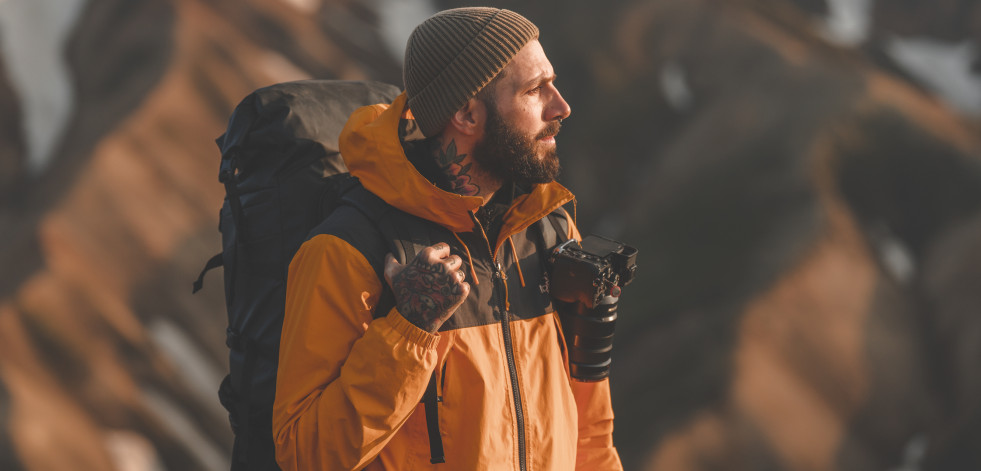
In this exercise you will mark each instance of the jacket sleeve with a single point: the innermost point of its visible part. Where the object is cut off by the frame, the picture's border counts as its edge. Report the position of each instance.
(346, 382)
(595, 450)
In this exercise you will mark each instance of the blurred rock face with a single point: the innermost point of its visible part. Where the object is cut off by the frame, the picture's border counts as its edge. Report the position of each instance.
(935, 44)
(106, 360)
(808, 225)
(790, 203)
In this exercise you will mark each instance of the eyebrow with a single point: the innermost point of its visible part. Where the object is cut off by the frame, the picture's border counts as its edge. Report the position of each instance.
(540, 79)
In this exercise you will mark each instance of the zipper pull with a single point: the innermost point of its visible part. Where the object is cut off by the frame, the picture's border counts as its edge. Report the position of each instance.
(499, 271)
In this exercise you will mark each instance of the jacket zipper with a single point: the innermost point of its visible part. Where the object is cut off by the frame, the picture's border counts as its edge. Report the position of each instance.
(512, 369)
(509, 353)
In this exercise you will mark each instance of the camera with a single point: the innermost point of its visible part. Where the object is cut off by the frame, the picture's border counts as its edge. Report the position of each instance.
(585, 279)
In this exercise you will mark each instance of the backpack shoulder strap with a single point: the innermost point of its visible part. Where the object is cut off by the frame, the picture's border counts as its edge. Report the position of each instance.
(400, 243)
(377, 212)
(557, 229)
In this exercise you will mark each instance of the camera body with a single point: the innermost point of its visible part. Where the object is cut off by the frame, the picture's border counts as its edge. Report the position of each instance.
(585, 281)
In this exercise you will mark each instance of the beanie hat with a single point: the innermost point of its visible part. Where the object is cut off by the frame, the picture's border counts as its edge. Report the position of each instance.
(454, 54)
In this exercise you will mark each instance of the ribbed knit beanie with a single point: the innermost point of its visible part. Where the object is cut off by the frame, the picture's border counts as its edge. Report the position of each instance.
(454, 54)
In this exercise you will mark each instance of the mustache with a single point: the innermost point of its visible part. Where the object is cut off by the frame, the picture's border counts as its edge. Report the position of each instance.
(551, 129)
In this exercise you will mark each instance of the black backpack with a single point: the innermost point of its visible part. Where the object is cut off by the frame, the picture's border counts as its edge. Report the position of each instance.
(283, 175)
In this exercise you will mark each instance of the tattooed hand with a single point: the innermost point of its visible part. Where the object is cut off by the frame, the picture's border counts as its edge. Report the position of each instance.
(430, 288)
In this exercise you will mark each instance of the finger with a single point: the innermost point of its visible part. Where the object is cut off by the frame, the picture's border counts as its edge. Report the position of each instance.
(435, 253)
(453, 263)
(461, 275)
(392, 268)
(464, 290)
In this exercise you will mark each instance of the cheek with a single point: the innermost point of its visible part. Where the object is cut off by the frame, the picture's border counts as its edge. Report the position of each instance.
(532, 125)
(528, 114)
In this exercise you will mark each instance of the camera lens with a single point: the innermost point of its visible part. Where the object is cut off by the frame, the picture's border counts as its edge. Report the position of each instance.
(591, 372)
(589, 326)
(589, 335)
(590, 356)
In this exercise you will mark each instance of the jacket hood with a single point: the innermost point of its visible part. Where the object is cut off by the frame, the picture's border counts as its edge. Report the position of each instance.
(372, 151)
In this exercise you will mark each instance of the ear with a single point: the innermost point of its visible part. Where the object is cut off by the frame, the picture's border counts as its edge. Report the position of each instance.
(469, 119)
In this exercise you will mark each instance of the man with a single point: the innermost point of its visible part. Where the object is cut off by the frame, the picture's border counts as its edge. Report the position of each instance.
(472, 323)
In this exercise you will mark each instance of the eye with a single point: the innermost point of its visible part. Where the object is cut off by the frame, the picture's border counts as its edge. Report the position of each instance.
(535, 90)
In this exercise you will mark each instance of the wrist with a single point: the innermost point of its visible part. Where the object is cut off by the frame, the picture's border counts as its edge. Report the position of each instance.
(410, 331)
(420, 321)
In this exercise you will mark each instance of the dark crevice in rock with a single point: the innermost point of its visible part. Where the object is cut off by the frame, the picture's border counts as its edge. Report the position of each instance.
(8, 454)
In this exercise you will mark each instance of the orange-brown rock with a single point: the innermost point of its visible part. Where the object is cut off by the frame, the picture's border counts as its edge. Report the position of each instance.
(106, 359)
(808, 226)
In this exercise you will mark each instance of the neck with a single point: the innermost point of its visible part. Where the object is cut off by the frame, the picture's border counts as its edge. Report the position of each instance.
(454, 157)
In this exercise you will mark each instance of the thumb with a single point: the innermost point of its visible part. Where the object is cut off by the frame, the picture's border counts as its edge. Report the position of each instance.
(392, 268)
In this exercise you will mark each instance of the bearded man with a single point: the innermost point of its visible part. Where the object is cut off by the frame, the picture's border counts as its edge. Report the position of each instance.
(465, 368)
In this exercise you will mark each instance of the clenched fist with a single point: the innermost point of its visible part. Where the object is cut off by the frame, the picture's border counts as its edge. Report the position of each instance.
(430, 288)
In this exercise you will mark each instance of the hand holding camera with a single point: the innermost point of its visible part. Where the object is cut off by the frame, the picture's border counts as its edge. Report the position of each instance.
(585, 281)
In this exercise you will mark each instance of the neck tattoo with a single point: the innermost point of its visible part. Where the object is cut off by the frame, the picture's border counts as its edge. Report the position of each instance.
(454, 167)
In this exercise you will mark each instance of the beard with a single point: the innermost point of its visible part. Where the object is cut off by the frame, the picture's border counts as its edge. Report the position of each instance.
(507, 154)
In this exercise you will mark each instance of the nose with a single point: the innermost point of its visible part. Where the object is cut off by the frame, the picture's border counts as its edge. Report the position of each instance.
(558, 108)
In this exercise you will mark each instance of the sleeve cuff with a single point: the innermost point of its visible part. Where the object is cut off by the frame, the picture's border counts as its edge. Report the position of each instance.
(410, 331)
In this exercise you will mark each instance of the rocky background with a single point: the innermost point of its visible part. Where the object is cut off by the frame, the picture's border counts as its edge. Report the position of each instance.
(802, 178)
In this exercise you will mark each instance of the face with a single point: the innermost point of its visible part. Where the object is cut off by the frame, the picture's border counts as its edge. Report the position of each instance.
(523, 110)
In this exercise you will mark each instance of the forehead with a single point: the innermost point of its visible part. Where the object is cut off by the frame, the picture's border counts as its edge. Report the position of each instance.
(529, 65)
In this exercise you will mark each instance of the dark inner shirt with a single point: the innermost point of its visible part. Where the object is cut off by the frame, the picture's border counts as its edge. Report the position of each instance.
(491, 214)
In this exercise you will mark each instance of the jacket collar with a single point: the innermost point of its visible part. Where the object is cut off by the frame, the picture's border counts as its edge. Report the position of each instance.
(372, 151)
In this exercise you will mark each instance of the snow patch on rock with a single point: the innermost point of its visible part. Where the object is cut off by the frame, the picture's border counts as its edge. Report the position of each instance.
(943, 67)
(199, 373)
(674, 85)
(848, 21)
(184, 427)
(33, 34)
(398, 19)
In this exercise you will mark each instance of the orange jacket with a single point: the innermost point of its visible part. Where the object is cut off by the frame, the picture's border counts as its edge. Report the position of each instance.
(349, 386)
